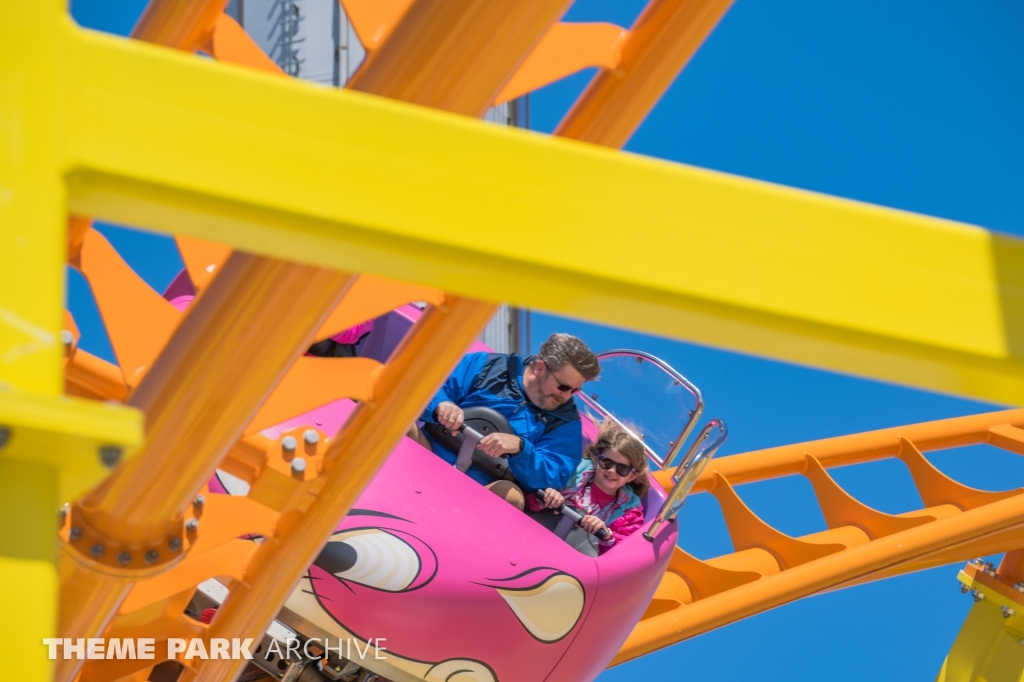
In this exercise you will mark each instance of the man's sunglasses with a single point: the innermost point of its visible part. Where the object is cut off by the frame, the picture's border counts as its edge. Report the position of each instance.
(564, 388)
(621, 469)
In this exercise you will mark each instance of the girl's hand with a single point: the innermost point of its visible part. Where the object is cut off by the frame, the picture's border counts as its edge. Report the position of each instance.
(592, 524)
(553, 499)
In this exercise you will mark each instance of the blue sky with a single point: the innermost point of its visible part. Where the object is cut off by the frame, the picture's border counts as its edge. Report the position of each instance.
(911, 104)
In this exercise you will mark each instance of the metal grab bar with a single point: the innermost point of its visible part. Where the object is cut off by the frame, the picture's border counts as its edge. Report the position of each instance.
(698, 456)
(694, 416)
(472, 438)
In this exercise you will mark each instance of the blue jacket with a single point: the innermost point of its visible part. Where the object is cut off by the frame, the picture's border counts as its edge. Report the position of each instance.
(552, 441)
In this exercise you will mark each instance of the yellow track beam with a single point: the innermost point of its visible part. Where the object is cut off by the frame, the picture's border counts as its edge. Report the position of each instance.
(703, 256)
(661, 42)
(406, 383)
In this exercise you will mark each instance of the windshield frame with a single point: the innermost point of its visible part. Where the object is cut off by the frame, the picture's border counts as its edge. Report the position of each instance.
(691, 422)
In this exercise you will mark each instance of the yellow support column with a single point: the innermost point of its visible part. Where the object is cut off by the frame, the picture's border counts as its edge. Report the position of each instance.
(51, 448)
(32, 201)
(27, 573)
(990, 645)
(31, 207)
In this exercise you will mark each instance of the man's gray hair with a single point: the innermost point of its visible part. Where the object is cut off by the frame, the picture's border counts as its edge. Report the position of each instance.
(565, 349)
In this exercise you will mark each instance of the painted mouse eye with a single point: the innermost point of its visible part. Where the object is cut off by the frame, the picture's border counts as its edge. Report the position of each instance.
(371, 557)
(548, 610)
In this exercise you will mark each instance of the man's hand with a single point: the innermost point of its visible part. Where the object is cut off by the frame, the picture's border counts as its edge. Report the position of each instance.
(450, 416)
(592, 524)
(553, 499)
(498, 444)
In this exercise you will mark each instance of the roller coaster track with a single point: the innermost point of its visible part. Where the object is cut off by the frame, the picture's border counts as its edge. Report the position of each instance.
(770, 568)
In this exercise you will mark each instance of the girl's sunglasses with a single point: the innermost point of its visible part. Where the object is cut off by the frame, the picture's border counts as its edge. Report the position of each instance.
(621, 469)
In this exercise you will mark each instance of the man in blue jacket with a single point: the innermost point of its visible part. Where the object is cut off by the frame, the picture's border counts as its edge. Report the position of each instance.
(535, 395)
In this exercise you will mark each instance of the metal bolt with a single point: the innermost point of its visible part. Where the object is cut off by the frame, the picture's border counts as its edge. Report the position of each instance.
(1019, 587)
(75, 534)
(978, 596)
(311, 437)
(66, 337)
(97, 550)
(151, 556)
(298, 465)
(1008, 612)
(977, 562)
(110, 455)
(5, 435)
(288, 443)
(192, 525)
(199, 501)
(963, 589)
(124, 558)
(174, 545)
(64, 511)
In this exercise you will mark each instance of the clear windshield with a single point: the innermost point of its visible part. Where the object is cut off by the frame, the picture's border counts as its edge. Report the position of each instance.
(643, 392)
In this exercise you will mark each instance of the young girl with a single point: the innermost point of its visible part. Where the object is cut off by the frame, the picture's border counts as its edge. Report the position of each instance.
(607, 486)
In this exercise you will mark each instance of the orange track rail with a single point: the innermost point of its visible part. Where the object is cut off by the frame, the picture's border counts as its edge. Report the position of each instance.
(770, 568)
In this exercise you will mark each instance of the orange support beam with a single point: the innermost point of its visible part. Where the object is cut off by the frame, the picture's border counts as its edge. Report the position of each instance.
(660, 43)
(182, 24)
(230, 350)
(454, 55)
